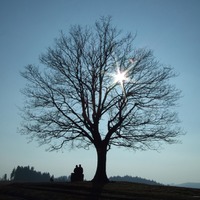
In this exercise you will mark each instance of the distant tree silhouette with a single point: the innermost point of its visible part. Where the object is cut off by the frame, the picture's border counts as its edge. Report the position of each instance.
(133, 179)
(12, 175)
(96, 89)
(4, 178)
(28, 174)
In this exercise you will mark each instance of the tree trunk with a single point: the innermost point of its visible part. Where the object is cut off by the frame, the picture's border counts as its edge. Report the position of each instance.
(100, 175)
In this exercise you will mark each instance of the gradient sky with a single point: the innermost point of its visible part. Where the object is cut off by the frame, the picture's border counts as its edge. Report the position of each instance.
(171, 28)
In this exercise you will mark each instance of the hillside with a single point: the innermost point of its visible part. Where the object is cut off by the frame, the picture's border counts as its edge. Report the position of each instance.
(89, 191)
(190, 185)
(133, 180)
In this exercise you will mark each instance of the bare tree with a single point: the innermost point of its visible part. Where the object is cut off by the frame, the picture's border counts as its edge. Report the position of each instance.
(94, 88)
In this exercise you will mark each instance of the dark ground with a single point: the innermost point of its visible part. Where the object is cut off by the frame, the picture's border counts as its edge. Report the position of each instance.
(89, 191)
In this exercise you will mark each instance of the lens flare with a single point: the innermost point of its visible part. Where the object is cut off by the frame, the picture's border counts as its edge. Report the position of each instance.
(120, 77)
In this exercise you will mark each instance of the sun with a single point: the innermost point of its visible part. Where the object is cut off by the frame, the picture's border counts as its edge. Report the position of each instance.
(120, 77)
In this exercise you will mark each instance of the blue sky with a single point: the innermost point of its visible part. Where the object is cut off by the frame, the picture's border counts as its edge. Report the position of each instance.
(170, 28)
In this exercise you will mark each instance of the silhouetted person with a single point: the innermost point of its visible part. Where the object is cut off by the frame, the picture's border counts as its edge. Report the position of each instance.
(76, 170)
(80, 173)
(74, 176)
(80, 169)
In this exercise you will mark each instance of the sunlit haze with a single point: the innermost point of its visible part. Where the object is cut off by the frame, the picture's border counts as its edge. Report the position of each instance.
(170, 28)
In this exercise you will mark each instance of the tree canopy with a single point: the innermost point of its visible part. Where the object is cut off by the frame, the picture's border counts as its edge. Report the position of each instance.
(94, 88)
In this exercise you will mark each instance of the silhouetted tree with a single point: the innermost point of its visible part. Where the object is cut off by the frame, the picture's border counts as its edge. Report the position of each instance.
(28, 174)
(12, 175)
(94, 88)
(4, 178)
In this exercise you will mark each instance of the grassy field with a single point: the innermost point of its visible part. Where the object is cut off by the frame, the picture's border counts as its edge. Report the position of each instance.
(89, 191)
